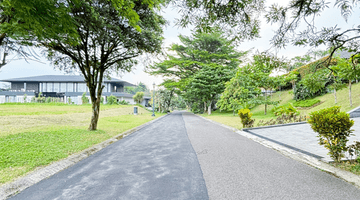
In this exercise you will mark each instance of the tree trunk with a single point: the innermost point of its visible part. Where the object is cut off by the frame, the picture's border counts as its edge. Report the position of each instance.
(265, 103)
(95, 114)
(209, 108)
(280, 93)
(350, 93)
(204, 107)
(335, 96)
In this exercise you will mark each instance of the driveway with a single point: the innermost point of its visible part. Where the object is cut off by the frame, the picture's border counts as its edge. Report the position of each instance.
(301, 138)
(183, 156)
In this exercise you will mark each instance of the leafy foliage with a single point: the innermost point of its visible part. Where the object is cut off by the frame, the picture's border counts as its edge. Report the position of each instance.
(138, 97)
(111, 100)
(306, 103)
(333, 128)
(245, 116)
(84, 98)
(287, 109)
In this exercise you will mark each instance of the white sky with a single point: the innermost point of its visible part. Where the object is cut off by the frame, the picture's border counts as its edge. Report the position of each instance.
(21, 68)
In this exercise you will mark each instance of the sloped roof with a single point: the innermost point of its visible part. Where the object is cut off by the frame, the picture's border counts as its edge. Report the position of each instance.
(62, 78)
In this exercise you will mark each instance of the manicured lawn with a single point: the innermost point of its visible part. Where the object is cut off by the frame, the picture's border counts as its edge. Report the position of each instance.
(326, 100)
(32, 140)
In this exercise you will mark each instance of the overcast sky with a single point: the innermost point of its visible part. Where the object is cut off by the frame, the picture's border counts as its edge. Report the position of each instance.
(20, 68)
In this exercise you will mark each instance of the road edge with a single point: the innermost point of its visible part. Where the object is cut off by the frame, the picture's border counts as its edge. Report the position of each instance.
(21, 183)
(298, 156)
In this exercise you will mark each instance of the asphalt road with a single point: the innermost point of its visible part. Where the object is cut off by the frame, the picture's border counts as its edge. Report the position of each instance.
(183, 156)
(156, 162)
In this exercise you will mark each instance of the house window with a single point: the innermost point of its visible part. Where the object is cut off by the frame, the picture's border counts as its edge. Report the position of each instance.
(70, 87)
(56, 87)
(81, 87)
(62, 87)
(49, 87)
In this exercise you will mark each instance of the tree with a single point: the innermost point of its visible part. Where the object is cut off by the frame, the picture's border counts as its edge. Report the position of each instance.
(141, 87)
(165, 98)
(208, 83)
(240, 92)
(138, 97)
(296, 21)
(108, 35)
(200, 53)
(18, 17)
(347, 70)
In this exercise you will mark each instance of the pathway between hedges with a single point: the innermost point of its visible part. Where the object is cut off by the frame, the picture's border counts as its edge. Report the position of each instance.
(183, 156)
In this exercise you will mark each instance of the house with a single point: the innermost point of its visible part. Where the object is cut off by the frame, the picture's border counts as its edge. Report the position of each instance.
(65, 87)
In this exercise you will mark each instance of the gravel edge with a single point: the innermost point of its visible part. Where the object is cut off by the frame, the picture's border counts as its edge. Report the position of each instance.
(298, 156)
(20, 184)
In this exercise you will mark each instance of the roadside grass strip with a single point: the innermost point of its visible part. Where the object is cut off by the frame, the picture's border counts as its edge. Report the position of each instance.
(43, 139)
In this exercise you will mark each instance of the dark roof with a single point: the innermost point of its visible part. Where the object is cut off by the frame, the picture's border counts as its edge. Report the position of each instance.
(62, 78)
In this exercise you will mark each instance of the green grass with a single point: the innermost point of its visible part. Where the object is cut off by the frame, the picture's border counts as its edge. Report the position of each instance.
(285, 97)
(34, 140)
(8, 109)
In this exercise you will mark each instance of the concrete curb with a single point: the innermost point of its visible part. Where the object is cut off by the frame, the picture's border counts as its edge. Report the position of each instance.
(42, 173)
(298, 156)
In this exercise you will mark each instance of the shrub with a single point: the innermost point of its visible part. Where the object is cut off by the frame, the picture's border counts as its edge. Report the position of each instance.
(354, 150)
(245, 116)
(123, 102)
(69, 101)
(333, 128)
(283, 119)
(111, 100)
(102, 100)
(33, 99)
(287, 109)
(48, 100)
(84, 99)
(306, 103)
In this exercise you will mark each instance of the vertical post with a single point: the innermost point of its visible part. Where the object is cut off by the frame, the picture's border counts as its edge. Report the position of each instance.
(153, 100)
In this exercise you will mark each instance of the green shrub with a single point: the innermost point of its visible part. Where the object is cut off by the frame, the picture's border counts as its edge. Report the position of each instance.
(48, 100)
(102, 100)
(111, 100)
(306, 103)
(84, 99)
(245, 116)
(123, 102)
(333, 128)
(138, 97)
(287, 109)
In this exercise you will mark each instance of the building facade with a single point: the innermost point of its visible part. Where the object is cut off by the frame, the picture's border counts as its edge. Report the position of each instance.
(66, 87)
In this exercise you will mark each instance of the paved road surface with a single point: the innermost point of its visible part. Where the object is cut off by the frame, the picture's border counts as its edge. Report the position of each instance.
(159, 162)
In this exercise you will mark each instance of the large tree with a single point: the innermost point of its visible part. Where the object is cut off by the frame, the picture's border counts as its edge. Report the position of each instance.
(199, 53)
(104, 36)
(296, 21)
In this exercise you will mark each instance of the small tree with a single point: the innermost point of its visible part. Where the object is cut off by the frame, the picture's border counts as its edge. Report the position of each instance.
(111, 100)
(25, 97)
(138, 97)
(245, 116)
(84, 99)
(333, 128)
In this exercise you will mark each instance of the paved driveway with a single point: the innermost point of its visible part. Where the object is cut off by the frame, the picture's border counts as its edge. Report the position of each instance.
(302, 138)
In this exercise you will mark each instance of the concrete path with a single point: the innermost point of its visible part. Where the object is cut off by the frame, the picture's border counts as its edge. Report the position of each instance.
(302, 138)
(162, 160)
(157, 162)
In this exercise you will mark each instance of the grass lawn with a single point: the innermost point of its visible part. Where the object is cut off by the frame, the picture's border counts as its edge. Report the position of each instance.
(326, 100)
(44, 133)
(353, 167)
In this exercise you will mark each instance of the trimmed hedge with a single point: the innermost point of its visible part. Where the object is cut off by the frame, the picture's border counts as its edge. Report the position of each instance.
(306, 103)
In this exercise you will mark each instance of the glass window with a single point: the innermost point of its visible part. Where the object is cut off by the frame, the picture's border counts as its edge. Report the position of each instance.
(43, 87)
(70, 87)
(56, 87)
(81, 87)
(62, 87)
(49, 87)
